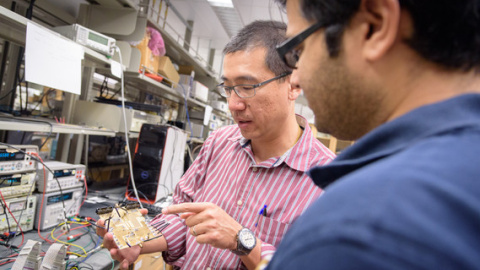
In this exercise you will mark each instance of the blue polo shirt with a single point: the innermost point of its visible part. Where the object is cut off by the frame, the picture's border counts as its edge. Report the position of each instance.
(405, 196)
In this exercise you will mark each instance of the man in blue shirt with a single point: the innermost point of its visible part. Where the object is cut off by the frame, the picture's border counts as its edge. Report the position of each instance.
(401, 77)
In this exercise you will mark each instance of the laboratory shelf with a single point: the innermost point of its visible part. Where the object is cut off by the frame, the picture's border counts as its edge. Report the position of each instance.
(185, 57)
(15, 124)
(14, 27)
(149, 85)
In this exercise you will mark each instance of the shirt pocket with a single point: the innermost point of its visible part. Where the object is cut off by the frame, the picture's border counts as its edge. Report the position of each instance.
(271, 231)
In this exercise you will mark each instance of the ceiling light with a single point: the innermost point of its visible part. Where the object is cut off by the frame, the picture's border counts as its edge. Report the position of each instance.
(221, 3)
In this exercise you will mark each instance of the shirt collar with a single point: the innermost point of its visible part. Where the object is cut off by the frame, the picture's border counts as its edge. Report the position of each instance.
(398, 134)
(297, 151)
(287, 157)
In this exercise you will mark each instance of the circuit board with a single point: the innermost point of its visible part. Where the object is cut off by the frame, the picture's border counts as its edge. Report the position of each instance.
(127, 224)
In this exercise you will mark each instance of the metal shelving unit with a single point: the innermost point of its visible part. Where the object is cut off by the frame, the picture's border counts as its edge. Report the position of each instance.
(46, 127)
(13, 28)
(151, 86)
(185, 56)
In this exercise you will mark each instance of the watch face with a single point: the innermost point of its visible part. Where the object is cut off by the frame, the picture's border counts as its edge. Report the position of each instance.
(247, 238)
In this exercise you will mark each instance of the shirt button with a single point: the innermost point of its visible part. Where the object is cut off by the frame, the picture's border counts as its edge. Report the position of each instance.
(254, 169)
(239, 202)
(208, 268)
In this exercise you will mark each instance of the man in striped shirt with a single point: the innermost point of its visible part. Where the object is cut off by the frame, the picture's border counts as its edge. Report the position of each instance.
(250, 175)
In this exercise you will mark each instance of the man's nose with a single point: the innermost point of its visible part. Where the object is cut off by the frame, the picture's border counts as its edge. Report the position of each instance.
(236, 103)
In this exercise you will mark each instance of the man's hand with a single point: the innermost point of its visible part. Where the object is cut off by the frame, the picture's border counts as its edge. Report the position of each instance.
(125, 256)
(208, 223)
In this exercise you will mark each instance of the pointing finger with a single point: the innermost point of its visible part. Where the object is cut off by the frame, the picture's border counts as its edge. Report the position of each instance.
(184, 208)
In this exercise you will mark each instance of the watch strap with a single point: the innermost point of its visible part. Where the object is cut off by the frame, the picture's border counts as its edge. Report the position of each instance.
(241, 250)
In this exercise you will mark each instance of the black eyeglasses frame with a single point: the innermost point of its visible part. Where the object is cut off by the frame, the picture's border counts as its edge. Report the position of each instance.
(290, 44)
(253, 86)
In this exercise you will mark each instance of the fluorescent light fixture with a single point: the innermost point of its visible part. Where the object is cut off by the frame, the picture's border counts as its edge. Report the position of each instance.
(221, 3)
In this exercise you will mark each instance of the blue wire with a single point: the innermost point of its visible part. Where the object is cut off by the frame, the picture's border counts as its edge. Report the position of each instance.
(96, 245)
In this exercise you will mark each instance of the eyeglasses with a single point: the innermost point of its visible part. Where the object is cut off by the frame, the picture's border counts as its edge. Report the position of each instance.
(246, 90)
(287, 50)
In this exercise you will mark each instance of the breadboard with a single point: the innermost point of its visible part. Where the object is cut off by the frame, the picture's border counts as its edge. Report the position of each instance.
(127, 225)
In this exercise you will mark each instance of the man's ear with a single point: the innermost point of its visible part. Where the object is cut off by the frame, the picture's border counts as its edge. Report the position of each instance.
(381, 19)
(294, 91)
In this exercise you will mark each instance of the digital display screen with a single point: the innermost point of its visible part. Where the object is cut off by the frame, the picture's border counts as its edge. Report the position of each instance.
(97, 38)
(6, 156)
(10, 180)
(59, 198)
(63, 173)
(17, 206)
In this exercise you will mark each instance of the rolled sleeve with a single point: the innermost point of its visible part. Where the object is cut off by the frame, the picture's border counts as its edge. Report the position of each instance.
(267, 250)
(175, 235)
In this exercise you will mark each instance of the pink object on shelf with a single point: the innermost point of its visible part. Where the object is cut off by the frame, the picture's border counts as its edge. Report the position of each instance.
(156, 43)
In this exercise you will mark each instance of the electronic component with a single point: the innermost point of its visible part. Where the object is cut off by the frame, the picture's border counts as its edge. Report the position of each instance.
(53, 210)
(88, 38)
(68, 175)
(16, 185)
(127, 224)
(23, 209)
(14, 161)
(153, 210)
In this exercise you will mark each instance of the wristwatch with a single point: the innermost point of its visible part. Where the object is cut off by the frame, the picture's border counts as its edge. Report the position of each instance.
(246, 241)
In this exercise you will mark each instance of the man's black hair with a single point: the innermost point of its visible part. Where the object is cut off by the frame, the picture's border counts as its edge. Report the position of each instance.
(446, 32)
(264, 34)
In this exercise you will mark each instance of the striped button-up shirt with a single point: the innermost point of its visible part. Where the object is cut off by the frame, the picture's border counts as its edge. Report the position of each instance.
(225, 173)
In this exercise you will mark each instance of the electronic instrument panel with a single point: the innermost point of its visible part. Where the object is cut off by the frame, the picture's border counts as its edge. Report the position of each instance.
(14, 161)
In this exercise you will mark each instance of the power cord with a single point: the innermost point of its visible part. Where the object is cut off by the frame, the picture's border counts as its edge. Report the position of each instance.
(130, 165)
(37, 158)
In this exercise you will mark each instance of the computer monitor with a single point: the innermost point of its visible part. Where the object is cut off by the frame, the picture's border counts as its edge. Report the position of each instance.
(158, 163)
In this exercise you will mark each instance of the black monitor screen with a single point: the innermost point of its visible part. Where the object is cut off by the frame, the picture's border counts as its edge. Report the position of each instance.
(59, 198)
(62, 173)
(7, 156)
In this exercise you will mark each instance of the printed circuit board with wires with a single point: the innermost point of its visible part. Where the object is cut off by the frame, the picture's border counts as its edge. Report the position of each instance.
(127, 224)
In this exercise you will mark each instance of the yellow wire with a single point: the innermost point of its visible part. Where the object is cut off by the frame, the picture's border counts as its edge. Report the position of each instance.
(76, 254)
(68, 244)
(75, 222)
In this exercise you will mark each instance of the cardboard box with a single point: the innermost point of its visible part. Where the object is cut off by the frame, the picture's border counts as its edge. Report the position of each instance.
(187, 70)
(148, 60)
(152, 261)
(166, 68)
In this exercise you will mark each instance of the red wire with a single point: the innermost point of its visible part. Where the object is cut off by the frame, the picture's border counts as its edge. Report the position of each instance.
(18, 225)
(7, 262)
(90, 218)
